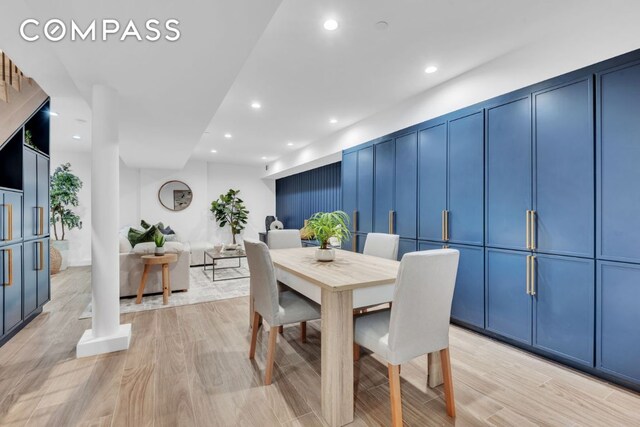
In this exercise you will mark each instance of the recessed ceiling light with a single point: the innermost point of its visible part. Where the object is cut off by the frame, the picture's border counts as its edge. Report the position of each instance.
(256, 105)
(290, 144)
(431, 69)
(214, 151)
(227, 135)
(330, 25)
(83, 121)
(76, 137)
(53, 113)
(381, 25)
(264, 157)
(333, 121)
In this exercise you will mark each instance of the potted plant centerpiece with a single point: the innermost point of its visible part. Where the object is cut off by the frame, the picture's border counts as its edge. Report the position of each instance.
(230, 210)
(326, 226)
(65, 187)
(159, 240)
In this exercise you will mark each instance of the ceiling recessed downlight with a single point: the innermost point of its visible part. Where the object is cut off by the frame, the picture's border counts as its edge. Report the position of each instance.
(214, 151)
(431, 69)
(264, 157)
(256, 105)
(227, 135)
(76, 137)
(53, 113)
(330, 25)
(333, 121)
(290, 144)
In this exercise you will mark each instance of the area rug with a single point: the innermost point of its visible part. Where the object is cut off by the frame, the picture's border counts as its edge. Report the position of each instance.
(201, 289)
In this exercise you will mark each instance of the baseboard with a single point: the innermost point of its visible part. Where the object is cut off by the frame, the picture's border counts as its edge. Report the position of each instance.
(80, 263)
(90, 346)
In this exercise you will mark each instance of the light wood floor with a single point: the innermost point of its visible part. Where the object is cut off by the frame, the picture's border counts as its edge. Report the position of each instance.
(188, 366)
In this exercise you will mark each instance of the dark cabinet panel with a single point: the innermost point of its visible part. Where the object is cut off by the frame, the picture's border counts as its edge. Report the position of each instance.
(432, 181)
(406, 246)
(350, 185)
(508, 305)
(384, 185)
(564, 174)
(564, 306)
(508, 175)
(31, 212)
(617, 320)
(43, 195)
(11, 273)
(466, 180)
(31, 254)
(468, 297)
(618, 158)
(361, 240)
(44, 287)
(10, 217)
(429, 246)
(406, 186)
(365, 190)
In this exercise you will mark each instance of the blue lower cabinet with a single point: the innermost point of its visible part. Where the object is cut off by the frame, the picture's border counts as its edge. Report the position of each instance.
(429, 246)
(361, 239)
(347, 245)
(468, 298)
(44, 285)
(617, 320)
(406, 246)
(11, 274)
(564, 307)
(350, 187)
(30, 270)
(508, 305)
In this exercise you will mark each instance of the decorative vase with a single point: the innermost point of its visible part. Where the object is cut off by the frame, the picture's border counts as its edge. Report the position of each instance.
(56, 259)
(63, 248)
(159, 250)
(325, 255)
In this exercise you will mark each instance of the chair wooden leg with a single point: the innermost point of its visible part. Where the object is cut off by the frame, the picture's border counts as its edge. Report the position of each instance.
(356, 352)
(271, 352)
(254, 335)
(281, 329)
(396, 398)
(448, 382)
(303, 332)
(143, 282)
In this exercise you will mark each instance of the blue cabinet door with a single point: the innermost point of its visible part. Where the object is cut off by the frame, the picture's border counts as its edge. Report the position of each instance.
(618, 157)
(564, 307)
(30, 191)
(406, 186)
(361, 239)
(30, 276)
(12, 281)
(365, 190)
(350, 185)
(44, 285)
(429, 246)
(10, 217)
(564, 194)
(468, 297)
(383, 185)
(43, 195)
(466, 180)
(508, 306)
(508, 174)
(617, 319)
(406, 246)
(432, 181)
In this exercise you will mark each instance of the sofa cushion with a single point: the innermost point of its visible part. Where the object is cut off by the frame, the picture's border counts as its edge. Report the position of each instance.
(137, 236)
(125, 245)
(148, 248)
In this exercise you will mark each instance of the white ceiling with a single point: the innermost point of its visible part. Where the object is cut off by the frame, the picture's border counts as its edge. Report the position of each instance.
(234, 52)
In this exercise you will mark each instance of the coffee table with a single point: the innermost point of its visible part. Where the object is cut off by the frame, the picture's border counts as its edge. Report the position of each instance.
(216, 256)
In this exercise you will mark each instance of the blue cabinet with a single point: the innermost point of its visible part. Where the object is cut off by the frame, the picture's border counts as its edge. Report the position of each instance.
(406, 186)
(365, 190)
(564, 174)
(508, 303)
(36, 195)
(617, 320)
(361, 239)
(11, 274)
(406, 246)
(429, 246)
(564, 306)
(10, 217)
(618, 160)
(350, 187)
(35, 275)
(468, 297)
(509, 174)
(383, 185)
(432, 181)
(44, 285)
(466, 180)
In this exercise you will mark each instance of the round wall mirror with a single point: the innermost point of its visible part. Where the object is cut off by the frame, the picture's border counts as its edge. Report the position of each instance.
(175, 195)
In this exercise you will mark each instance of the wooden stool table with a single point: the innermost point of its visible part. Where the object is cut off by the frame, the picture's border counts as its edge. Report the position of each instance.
(164, 261)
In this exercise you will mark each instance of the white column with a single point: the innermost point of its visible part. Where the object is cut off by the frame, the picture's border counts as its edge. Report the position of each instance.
(107, 334)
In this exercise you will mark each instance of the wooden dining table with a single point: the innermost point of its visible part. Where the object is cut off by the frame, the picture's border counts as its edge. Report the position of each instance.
(351, 281)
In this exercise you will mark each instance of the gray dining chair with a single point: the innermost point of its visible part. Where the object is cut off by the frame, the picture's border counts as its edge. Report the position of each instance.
(418, 322)
(382, 245)
(277, 308)
(284, 239)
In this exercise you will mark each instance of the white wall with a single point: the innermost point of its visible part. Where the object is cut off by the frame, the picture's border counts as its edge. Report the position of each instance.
(79, 240)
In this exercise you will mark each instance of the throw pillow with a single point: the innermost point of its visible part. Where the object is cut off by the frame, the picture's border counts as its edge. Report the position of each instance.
(165, 230)
(125, 245)
(136, 236)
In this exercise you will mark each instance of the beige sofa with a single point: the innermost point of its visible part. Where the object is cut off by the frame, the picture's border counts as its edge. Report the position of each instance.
(131, 268)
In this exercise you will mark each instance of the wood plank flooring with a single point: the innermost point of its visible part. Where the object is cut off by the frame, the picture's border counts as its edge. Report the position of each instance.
(189, 366)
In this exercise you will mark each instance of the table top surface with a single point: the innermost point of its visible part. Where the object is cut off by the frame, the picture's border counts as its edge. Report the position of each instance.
(238, 253)
(163, 259)
(349, 270)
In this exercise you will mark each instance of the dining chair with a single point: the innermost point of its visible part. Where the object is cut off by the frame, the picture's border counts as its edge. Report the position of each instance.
(284, 239)
(277, 308)
(382, 245)
(418, 322)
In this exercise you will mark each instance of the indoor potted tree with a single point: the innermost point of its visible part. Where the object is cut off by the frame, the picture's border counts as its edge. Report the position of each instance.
(326, 226)
(229, 210)
(65, 187)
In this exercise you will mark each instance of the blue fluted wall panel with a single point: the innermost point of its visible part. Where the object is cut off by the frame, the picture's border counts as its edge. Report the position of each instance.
(300, 196)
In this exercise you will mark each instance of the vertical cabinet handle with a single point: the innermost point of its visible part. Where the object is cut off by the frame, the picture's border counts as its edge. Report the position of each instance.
(532, 281)
(444, 237)
(8, 232)
(445, 225)
(391, 217)
(528, 233)
(528, 273)
(41, 222)
(532, 229)
(41, 257)
(10, 269)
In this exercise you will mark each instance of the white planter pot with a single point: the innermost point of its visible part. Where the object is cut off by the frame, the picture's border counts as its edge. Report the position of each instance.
(63, 247)
(325, 255)
(159, 251)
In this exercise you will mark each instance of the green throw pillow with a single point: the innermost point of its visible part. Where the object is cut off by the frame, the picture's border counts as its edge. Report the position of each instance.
(137, 236)
(146, 225)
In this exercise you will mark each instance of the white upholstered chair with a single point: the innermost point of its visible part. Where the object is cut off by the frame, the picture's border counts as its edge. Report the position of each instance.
(418, 322)
(284, 239)
(382, 245)
(277, 308)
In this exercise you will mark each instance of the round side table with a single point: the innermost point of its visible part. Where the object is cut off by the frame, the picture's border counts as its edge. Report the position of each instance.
(164, 261)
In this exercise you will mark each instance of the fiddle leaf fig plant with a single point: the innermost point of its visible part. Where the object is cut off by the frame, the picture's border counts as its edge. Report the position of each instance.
(64, 187)
(230, 210)
(326, 225)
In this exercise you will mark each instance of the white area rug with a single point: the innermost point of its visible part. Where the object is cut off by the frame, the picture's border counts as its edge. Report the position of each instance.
(201, 289)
